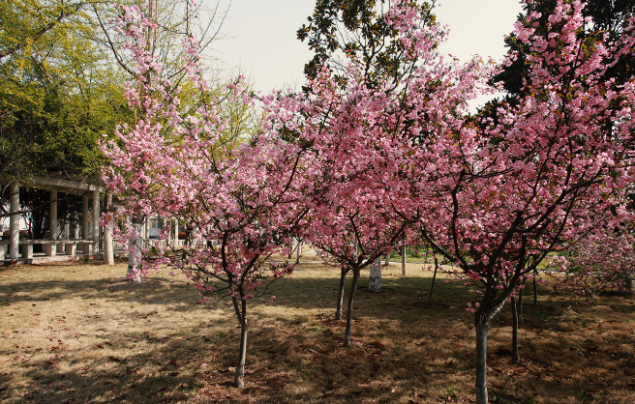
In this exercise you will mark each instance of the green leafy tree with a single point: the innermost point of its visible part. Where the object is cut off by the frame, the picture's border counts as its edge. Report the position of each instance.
(608, 17)
(340, 29)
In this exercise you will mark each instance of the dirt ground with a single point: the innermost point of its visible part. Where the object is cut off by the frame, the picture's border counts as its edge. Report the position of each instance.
(78, 332)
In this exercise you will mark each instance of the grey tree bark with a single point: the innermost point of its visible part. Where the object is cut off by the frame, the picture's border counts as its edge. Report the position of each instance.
(349, 314)
(299, 252)
(535, 288)
(434, 277)
(482, 324)
(515, 353)
(239, 375)
(340, 297)
(520, 307)
(290, 249)
(482, 329)
(404, 270)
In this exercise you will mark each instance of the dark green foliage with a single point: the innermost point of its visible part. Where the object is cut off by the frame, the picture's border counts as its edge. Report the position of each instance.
(356, 28)
(609, 17)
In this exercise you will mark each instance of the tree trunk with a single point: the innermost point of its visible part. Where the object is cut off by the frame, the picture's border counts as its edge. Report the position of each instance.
(290, 249)
(515, 354)
(340, 298)
(134, 264)
(404, 270)
(349, 315)
(482, 328)
(299, 252)
(520, 307)
(387, 262)
(434, 277)
(239, 376)
(535, 288)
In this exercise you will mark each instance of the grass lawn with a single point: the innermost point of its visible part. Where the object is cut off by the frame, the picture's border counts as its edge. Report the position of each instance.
(77, 332)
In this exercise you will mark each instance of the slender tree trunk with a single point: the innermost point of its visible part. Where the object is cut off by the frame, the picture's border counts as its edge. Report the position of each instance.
(349, 314)
(515, 354)
(521, 315)
(239, 376)
(434, 277)
(482, 329)
(340, 297)
(404, 270)
(299, 252)
(387, 262)
(134, 253)
(535, 288)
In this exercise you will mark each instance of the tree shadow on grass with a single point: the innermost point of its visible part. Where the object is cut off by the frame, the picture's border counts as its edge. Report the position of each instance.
(299, 363)
(403, 349)
(400, 299)
(150, 291)
(305, 362)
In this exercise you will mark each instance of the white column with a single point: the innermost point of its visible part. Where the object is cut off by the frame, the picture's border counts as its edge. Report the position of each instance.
(75, 227)
(14, 229)
(86, 248)
(96, 216)
(51, 249)
(66, 235)
(71, 248)
(374, 282)
(109, 256)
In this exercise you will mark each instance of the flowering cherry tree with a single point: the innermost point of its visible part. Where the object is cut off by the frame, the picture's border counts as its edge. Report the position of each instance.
(238, 203)
(366, 114)
(530, 178)
(604, 261)
(361, 156)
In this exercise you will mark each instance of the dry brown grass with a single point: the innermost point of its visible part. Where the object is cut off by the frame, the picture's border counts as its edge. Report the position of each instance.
(74, 333)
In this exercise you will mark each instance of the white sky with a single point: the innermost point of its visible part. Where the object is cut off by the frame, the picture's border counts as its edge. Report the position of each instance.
(260, 36)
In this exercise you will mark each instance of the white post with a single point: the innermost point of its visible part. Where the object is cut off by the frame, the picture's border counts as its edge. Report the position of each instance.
(86, 248)
(14, 229)
(96, 216)
(109, 256)
(71, 248)
(75, 235)
(62, 247)
(51, 249)
(374, 282)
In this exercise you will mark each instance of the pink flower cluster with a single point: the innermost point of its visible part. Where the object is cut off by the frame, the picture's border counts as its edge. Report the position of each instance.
(353, 163)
